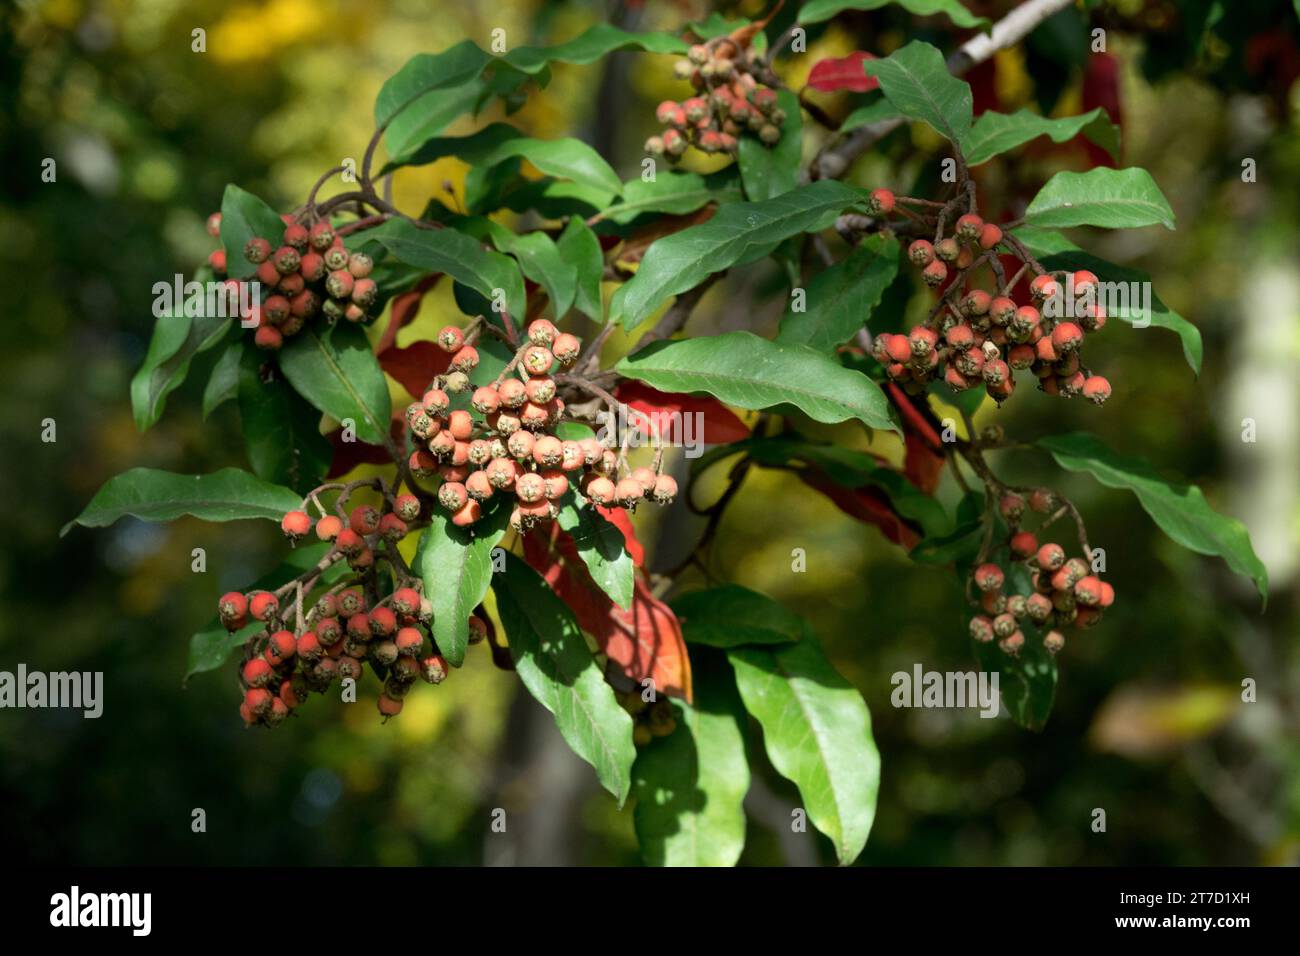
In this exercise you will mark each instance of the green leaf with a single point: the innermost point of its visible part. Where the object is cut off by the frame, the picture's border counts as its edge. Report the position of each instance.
(839, 300)
(816, 11)
(674, 193)
(916, 80)
(742, 369)
(817, 733)
(961, 544)
(211, 647)
(552, 660)
(601, 547)
(458, 255)
(1110, 198)
(181, 333)
(732, 616)
(995, 133)
(1179, 510)
(579, 246)
(223, 382)
(430, 90)
(591, 45)
(769, 171)
(421, 90)
(336, 371)
(1026, 682)
(1056, 252)
(876, 111)
(541, 261)
(456, 565)
(690, 785)
(738, 232)
(281, 430)
(152, 495)
(244, 216)
(564, 158)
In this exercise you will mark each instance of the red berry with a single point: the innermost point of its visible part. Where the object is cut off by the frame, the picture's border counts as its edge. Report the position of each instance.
(469, 513)
(542, 332)
(881, 202)
(281, 646)
(935, 273)
(466, 359)
(1023, 544)
(990, 236)
(1066, 337)
(364, 520)
(308, 646)
(988, 577)
(664, 490)
(328, 528)
(628, 492)
(566, 348)
(263, 605)
(1042, 501)
(213, 225)
(257, 701)
(1012, 506)
(232, 606)
(1096, 389)
(433, 669)
(969, 227)
(349, 542)
(1050, 556)
(295, 525)
(382, 621)
(406, 601)
(256, 672)
(409, 641)
(921, 252)
(296, 236)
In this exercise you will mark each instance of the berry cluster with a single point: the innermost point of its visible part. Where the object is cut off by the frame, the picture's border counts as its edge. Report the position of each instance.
(281, 668)
(514, 449)
(1063, 591)
(310, 272)
(981, 336)
(729, 100)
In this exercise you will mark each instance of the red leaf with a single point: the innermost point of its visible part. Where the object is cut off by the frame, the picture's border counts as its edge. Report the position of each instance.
(1101, 88)
(642, 641)
(720, 424)
(619, 518)
(865, 504)
(403, 311)
(843, 73)
(984, 87)
(349, 454)
(924, 458)
(415, 365)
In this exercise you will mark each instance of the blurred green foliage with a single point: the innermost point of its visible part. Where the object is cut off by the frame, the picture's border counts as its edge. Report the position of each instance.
(1147, 724)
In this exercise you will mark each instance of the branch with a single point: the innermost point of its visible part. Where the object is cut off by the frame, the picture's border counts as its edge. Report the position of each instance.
(833, 162)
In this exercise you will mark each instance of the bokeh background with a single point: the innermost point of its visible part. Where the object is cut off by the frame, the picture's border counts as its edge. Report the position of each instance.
(1148, 722)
